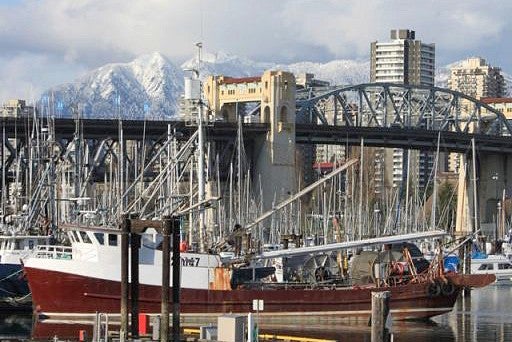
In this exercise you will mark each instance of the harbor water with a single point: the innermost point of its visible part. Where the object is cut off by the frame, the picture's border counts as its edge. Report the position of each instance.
(485, 316)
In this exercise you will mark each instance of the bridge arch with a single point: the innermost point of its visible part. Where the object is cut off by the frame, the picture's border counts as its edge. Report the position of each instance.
(402, 106)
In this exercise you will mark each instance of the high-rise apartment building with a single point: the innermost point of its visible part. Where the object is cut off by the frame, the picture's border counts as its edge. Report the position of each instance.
(475, 78)
(404, 60)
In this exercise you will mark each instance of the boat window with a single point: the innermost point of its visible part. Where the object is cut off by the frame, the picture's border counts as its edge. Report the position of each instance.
(30, 244)
(100, 237)
(504, 266)
(112, 239)
(75, 235)
(486, 267)
(17, 245)
(85, 238)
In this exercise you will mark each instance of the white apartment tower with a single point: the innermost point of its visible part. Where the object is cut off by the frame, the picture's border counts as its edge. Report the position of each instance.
(403, 60)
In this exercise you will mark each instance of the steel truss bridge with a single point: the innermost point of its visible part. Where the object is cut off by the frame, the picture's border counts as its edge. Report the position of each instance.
(393, 115)
(387, 115)
(383, 114)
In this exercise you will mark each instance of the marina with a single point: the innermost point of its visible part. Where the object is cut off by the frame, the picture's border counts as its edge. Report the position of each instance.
(263, 206)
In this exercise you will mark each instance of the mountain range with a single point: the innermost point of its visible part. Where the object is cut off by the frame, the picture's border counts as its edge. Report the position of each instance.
(151, 85)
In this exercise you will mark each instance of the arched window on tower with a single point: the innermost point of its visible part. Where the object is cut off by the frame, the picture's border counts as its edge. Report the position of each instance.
(283, 115)
(266, 114)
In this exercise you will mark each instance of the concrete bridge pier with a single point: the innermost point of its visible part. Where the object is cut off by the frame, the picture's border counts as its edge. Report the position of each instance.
(495, 170)
(492, 173)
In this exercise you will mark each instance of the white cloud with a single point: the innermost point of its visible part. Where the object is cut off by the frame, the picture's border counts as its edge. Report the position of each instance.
(25, 76)
(89, 33)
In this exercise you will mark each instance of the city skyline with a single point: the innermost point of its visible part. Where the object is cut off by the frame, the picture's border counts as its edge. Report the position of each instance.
(50, 42)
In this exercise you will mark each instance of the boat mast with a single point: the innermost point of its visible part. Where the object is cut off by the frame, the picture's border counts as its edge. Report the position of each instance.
(360, 209)
(4, 190)
(200, 162)
(476, 226)
(239, 166)
(434, 198)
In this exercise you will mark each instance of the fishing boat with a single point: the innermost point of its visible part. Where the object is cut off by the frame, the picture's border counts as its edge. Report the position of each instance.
(85, 278)
(14, 290)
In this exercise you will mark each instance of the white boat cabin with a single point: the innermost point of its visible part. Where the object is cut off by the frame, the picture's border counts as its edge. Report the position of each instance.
(498, 265)
(15, 247)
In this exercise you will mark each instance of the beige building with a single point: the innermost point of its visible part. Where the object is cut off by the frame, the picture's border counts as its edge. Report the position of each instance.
(502, 104)
(16, 108)
(475, 78)
(274, 91)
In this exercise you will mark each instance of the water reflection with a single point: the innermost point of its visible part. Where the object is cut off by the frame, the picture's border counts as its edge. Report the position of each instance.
(485, 316)
(422, 331)
(15, 327)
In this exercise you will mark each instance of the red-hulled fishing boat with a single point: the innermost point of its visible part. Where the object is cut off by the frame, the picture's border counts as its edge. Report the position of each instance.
(85, 278)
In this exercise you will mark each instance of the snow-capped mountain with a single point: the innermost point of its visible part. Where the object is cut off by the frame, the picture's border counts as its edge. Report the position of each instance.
(337, 72)
(222, 63)
(151, 85)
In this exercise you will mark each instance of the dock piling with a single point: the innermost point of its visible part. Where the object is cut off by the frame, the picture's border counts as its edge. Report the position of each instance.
(124, 278)
(380, 311)
(176, 263)
(134, 283)
(164, 326)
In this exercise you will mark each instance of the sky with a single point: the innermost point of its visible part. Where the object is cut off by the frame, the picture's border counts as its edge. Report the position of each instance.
(49, 42)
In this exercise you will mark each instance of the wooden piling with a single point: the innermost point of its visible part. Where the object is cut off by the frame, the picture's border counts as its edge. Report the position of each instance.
(164, 326)
(175, 223)
(467, 266)
(380, 311)
(134, 283)
(124, 279)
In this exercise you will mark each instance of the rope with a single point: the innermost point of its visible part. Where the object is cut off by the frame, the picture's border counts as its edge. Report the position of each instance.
(11, 275)
(7, 291)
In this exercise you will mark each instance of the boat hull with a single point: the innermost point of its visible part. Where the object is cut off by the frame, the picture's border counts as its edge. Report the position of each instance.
(57, 293)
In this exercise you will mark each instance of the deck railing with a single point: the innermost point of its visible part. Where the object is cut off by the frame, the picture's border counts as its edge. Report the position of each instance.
(53, 252)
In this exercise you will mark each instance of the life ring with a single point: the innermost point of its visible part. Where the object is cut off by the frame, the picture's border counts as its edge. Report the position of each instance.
(433, 289)
(447, 288)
